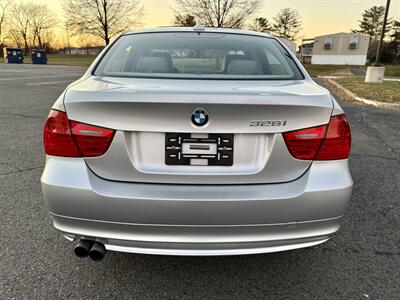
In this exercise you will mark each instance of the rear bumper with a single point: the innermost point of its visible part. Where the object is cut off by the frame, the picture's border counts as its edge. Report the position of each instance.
(199, 240)
(195, 219)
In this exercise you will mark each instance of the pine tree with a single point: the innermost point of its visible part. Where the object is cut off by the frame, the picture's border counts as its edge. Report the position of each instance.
(260, 25)
(287, 23)
(372, 22)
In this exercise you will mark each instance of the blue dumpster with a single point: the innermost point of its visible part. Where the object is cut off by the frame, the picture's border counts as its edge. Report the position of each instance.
(39, 56)
(13, 55)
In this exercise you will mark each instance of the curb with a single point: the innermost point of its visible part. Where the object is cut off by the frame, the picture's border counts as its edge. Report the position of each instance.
(350, 96)
(340, 76)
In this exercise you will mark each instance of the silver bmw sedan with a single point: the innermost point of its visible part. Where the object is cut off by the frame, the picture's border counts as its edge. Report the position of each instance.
(196, 141)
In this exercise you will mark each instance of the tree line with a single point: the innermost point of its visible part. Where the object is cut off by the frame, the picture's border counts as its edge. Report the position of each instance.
(29, 24)
(33, 25)
(371, 23)
(26, 24)
(237, 14)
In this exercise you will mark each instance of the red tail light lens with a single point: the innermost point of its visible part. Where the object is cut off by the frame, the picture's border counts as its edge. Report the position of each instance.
(304, 143)
(91, 140)
(337, 142)
(57, 137)
(325, 142)
(72, 139)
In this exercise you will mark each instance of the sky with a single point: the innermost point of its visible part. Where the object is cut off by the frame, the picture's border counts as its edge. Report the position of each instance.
(319, 16)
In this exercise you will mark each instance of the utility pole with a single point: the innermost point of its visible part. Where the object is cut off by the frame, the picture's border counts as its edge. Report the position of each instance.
(380, 45)
(376, 73)
(69, 46)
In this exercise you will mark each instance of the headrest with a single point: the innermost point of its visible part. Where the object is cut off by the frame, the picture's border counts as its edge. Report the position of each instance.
(244, 67)
(153, 64)
(165, 55)
(229, 58)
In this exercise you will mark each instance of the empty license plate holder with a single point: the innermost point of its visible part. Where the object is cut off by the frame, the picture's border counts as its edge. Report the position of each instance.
(185, 150)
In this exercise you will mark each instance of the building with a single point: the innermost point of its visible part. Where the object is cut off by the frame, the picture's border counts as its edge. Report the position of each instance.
(305, 52)
(288, 43)
(82, 51)
(340, 49)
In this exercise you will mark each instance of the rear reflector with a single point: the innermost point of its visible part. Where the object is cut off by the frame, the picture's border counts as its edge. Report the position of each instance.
(72, 139)
(325, 142)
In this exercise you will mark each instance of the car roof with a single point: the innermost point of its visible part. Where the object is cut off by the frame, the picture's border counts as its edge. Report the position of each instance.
(192, 29)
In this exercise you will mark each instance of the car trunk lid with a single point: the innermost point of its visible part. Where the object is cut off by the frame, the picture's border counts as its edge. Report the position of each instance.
(142, 111)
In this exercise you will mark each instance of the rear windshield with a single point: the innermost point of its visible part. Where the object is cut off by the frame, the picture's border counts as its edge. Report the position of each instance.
(190, 55)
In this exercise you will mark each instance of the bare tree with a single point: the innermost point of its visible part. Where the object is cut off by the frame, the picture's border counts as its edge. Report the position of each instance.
(42, 20)
(19, 22)
(287, 23)
(184, 20)
(49, 39)
(260, 25)
(14, 36)
(3, 15)
(218, 13)
(103, 18)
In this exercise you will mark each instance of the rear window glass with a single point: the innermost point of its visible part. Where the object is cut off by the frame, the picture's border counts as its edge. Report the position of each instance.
(192, 55)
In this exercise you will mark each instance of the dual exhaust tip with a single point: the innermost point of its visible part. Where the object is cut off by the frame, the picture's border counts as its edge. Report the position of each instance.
(95, 250)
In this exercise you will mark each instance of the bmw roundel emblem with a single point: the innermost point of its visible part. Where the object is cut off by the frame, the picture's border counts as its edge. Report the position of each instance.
(199, 117)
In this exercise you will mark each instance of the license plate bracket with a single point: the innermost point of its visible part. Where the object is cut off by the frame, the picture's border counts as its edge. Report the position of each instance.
(184, 149)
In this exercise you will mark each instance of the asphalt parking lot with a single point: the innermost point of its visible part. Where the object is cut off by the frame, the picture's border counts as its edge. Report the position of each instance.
(361, 262)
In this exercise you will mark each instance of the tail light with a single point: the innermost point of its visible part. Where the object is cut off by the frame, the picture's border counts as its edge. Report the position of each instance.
(72, 139)
(91, 140)
(304, 143)
(325, 142)
(57, 136)
(337, 142)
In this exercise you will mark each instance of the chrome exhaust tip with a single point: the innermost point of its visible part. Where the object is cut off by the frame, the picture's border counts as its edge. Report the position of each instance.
(97, 251)
(82, 248)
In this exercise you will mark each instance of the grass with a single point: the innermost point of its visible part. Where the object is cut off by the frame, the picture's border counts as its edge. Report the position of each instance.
(71, 59)
(327, 70)
(392, 71)
(387, 91)
(61, 59)
(344, 70)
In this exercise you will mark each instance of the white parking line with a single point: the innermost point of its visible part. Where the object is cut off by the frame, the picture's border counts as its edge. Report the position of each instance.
(12, 70)
(37, 77)
(49, 82)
